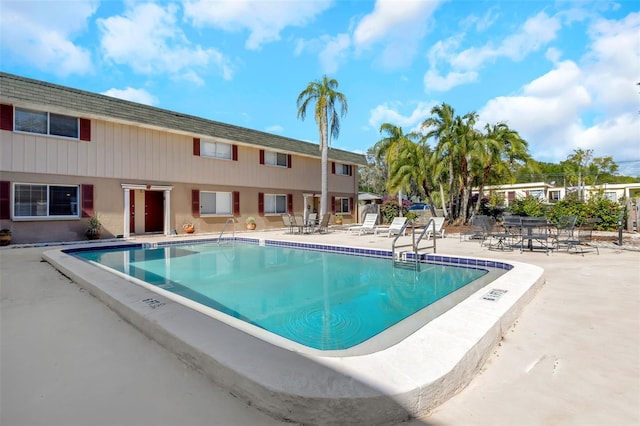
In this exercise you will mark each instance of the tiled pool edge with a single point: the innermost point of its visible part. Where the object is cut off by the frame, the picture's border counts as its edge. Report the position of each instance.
(410, 378)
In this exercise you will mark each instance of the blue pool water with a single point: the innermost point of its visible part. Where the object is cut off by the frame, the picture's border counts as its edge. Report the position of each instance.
(322, 300)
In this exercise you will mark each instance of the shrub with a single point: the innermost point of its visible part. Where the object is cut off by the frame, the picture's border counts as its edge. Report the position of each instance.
(391, 209)
(528, 206)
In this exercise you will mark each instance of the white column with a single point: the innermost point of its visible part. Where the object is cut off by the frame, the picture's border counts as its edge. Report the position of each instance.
(167, 212)
(306, 210)
(127, 216)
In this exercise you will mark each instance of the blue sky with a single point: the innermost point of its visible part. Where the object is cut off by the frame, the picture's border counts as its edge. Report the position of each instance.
(563, 74)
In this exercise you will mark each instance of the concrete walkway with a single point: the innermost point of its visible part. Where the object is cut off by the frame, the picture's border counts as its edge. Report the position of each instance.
(572, 358)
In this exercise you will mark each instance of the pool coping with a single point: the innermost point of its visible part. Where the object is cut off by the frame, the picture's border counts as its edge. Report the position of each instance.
(406, 380)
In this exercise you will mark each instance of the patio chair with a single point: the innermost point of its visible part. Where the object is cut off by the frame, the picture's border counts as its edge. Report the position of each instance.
(288, 224)
(477, 230)
(298, 222)
(505, 234)
(564, 232)
(368, 226)
(311, 219)
(394, 228)
(323, 226)
(439, 228)
(584, 234)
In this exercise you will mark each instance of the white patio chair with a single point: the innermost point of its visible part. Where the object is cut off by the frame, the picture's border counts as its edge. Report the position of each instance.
(439, 222)
(394, 228)
(368, 226)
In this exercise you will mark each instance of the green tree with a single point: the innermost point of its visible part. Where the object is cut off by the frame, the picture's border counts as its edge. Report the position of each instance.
(441, 127)
(373, 177)
(389, 148)
(330, 105)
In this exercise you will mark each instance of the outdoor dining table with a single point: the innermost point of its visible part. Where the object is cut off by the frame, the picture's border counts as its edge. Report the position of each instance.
(534, 229)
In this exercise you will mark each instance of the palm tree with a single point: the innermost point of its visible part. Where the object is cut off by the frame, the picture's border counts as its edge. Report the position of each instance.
(468, 140)
(441, 127)
(389, 148)
(327, 99)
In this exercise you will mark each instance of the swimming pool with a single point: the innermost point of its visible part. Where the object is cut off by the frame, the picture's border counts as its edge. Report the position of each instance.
(380, 384)
(322, 300)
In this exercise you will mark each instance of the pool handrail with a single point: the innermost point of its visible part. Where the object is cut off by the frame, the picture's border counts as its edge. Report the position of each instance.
(225, 227)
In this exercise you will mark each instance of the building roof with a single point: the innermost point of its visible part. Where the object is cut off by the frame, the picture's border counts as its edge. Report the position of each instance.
(19, 89)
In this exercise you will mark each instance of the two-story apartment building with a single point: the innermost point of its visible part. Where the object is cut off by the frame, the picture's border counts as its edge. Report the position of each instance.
(551, 193)
(67, 154)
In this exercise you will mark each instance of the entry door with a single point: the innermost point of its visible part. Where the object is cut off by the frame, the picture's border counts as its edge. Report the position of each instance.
(153, 211)
(132, 212)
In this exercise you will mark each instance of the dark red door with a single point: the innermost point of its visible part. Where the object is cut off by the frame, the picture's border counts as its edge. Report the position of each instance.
(132, 212)
(154, 211)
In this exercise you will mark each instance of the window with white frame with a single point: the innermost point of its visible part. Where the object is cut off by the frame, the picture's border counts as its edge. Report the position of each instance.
(273, 158)
(275, 203)
(216, 150)
(343, 169)
(342, 205)
(46, 123)
(215, 203)
(43, 201)
(554, 195)
(537, 193)
(611, 196)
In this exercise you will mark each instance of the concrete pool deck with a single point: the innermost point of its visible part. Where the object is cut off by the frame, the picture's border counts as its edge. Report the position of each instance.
(571, 358)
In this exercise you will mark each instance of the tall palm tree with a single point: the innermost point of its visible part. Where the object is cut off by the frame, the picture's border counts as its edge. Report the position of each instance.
(326, 97)
(441, 126)
(500, 150)
(412, 168)
(389, 148)
(468, 139)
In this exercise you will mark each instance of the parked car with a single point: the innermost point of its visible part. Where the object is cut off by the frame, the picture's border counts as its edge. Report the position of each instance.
(419, 206)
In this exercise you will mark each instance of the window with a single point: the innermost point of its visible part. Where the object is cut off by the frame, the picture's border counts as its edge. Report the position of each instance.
(611, 196)
(537, 193)
(31, 200)
(216, 150)
(275, 204)
(342, 205)
(275, 159)
(343, 169)
(554, 195)
(45, 123)
(215, 203)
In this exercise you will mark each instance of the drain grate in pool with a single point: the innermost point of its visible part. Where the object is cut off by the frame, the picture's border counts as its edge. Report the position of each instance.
(152, 303)
(494, 294)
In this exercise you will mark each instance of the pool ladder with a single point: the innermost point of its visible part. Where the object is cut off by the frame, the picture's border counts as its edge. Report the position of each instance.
(411, 260)
(233, 221)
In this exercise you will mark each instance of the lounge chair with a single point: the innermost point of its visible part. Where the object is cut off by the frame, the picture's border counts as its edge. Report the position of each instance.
(368, 226)
(439, 222)
(394, 228)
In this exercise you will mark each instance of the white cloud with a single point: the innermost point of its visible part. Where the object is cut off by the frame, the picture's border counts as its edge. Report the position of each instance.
(263, 19)
(389, 113)
(463, 66)
(133, 95)
(148, 39)
(276, 128)
(612, 66)
(398, 28)
(334, 53)
(590, 105)
(42, 34)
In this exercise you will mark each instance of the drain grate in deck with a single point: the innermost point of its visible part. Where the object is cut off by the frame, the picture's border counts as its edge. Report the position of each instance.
(152, 303)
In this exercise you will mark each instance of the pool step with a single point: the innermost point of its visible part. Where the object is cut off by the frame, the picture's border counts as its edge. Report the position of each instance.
(402, 261)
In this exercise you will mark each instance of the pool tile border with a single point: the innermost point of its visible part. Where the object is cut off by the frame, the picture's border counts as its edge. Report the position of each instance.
(385, 254)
